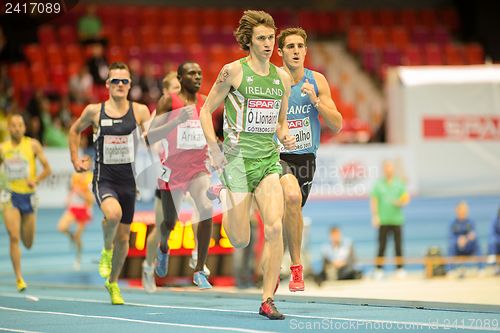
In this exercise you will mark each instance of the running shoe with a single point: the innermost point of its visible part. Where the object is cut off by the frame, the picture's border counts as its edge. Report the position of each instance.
(148, 278)
(105, 263)
(21, 285)
(161, 268)
(114, 293)
(201, 280)
(268, 309)
(213, 192)
(193, 262)
(296, 278)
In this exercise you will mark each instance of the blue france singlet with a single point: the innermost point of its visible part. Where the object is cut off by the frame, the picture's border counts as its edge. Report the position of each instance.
(115, 147)
(303, 119)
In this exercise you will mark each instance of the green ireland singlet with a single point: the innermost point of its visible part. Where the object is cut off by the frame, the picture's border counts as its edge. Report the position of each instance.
(250, 120)
(251, 114)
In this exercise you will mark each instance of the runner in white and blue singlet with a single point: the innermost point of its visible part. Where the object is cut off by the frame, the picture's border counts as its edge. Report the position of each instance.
(310, 97)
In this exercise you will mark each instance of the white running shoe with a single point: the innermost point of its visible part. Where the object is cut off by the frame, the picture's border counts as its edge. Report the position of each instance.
(148, 278)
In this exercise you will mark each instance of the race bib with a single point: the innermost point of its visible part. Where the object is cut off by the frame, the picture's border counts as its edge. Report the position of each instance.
(5, 197)
(118, 149)
(190, 135)
(16, 169)
(262, 115)
(301, 130)
(165, 173)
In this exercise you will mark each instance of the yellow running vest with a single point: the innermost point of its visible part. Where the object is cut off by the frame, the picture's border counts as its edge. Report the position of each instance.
(19, 165)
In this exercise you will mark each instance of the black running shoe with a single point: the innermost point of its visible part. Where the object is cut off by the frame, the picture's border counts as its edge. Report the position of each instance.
(268, 309)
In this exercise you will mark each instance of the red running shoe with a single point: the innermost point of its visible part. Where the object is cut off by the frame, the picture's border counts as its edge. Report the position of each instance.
(268, 309)
(213, 192)
(296, 278)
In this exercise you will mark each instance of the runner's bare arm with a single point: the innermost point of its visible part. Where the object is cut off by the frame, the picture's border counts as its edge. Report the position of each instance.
(88, 117)
(40, 154)
(162, 123)
(325, 104)
(282, 130)
(141, 112)
(229, 76)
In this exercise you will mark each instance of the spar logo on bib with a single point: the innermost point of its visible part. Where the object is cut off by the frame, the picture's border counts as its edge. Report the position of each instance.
(262, 115)
(262, 103)
(116, 139)
(299, 123)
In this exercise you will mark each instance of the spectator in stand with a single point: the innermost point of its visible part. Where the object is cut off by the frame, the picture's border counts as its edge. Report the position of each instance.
(98, 65)
(90, 27)
(463, 238)
(150, 84)
(35, 128)
(338, 258)
(80, 86)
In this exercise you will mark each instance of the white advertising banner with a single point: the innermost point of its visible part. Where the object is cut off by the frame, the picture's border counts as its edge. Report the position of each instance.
(348, 171)
(53, 191)
(450, 118)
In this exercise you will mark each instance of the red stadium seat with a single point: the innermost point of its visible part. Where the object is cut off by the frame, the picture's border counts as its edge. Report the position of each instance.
(356, 38)
(54, 55)
(19, 75)
(170, 17)
(474, 54)
(453, 55)
(429, 18)
(433, 55)
(412, 56)
(409, 18)
(150, 16)
(67, 35)
(169, 36)
(46, 35)
(34, 53)
(387, 17)
(73, 53)
(377, 37)
(399, 38)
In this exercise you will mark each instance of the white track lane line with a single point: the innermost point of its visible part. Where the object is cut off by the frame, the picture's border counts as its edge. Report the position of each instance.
(433, 323)
(16, 330)
(215, 328)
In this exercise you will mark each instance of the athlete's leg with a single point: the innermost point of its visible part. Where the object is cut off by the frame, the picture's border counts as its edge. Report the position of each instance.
(198, 189)
(28, 227)
(64, 224)
(292, 220)
(154, 235)
(77, 237)
(112, 211)
(120, 250)
(170, 201)
(236, 218)
(12, 220)
(269, 197)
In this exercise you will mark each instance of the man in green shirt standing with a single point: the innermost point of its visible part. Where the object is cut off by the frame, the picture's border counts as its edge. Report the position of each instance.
(388, 197)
